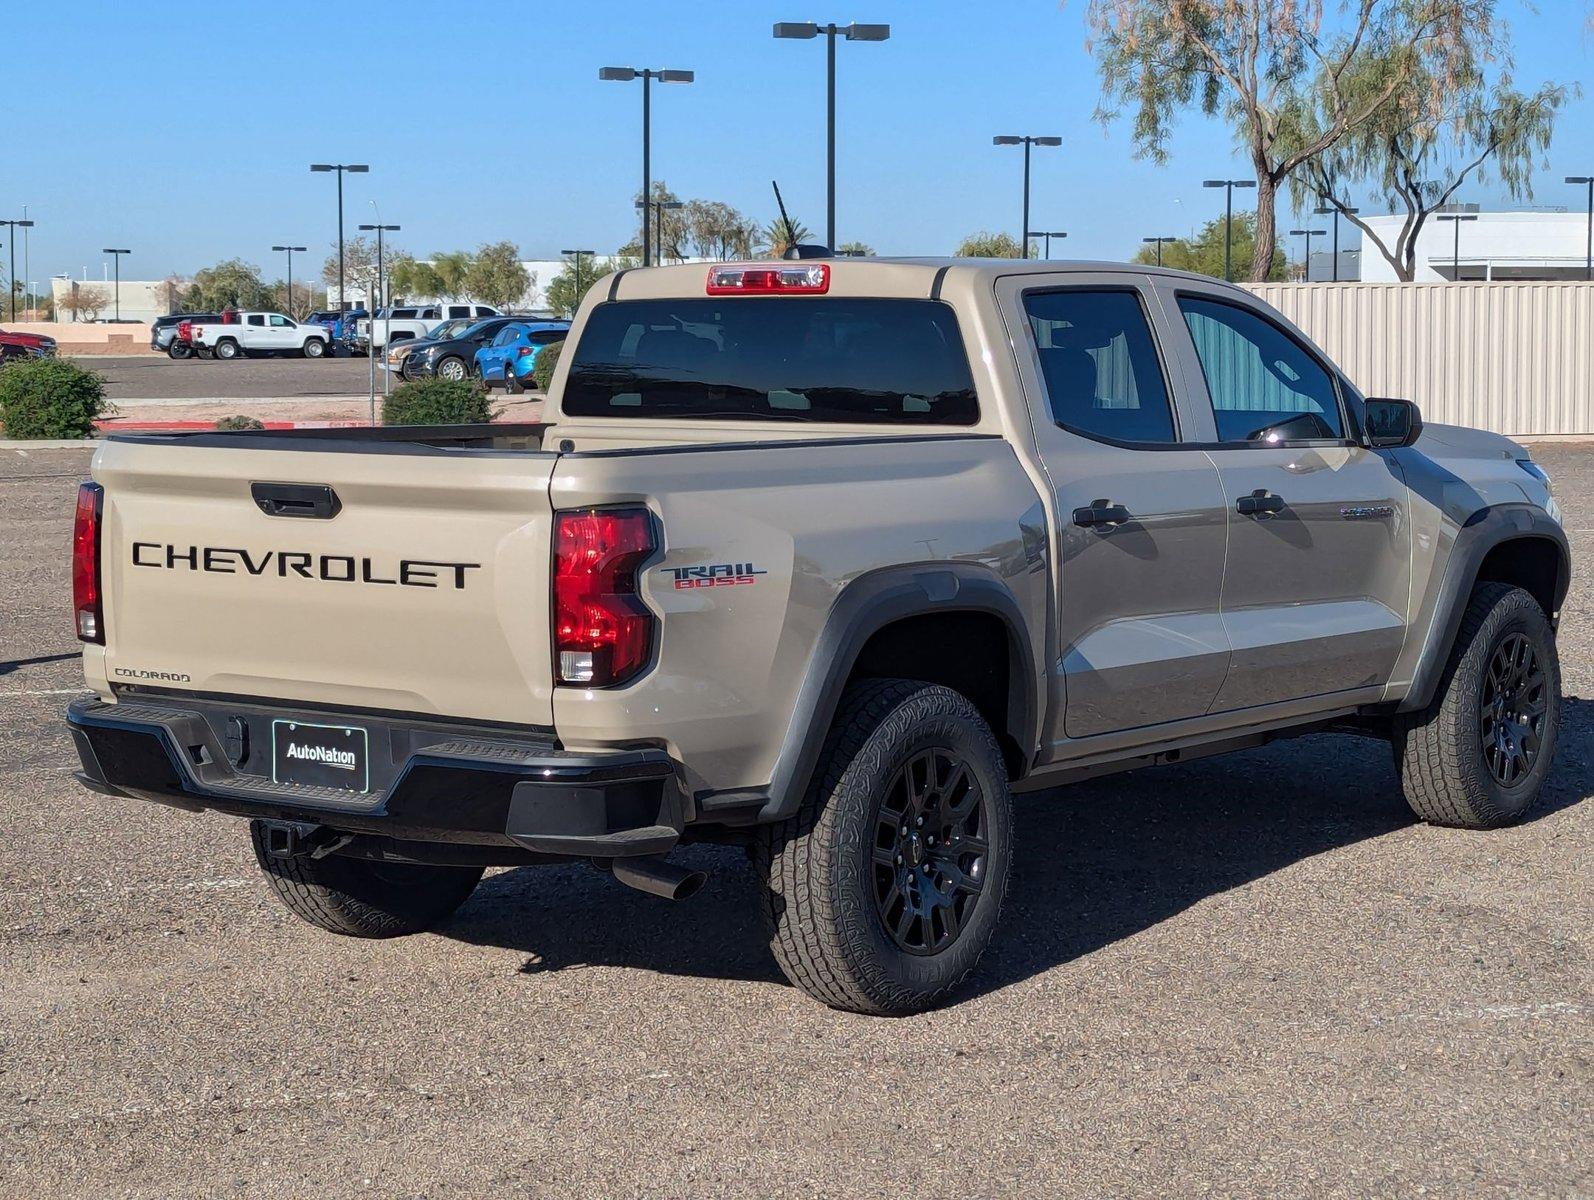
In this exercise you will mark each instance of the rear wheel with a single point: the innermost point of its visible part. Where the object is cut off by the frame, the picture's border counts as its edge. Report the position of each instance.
(361, 898)
(883, 890)
(1478, 755)
(512, 383)
(228, 349)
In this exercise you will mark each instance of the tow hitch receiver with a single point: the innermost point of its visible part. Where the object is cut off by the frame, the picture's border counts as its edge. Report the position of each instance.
(294, 839)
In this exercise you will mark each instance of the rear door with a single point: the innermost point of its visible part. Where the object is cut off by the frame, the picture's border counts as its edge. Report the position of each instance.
(1315, 591)
(1140, 542)
(426, 591)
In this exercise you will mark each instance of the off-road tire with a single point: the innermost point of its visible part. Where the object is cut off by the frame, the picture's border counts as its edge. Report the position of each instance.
(361, 898)
(179, 351)
(819, 903)
(1439, 751)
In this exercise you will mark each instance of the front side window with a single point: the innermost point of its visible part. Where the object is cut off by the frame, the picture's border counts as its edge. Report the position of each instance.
(785, 358)
(280, 322)
(1265, 386)
(506, 335)
(1103, 376)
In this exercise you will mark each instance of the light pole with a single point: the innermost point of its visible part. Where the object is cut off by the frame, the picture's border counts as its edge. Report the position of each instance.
(1306, 257)
(803, 31)
(116, 257)
(1587, 180)
(1228, 186)
(626, 75)
(659, 207)
(1160, 242)
(290, 250)
(340, 168)
(1323, 210)
(15, 225)
(1455, 254)
(575, 256)
(1047, 253)
(387, 327)
(1026, 142)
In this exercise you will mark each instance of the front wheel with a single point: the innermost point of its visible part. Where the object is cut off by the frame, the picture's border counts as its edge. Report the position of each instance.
(315, 348)
(363, 898)
(882, 892)
(452, 368)
(1477, 756)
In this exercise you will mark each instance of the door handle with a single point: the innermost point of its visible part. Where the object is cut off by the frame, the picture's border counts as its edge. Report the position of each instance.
(1101, 512)
(1258, 502)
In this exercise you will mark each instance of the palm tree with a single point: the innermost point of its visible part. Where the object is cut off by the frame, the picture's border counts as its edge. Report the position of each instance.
(776, 239)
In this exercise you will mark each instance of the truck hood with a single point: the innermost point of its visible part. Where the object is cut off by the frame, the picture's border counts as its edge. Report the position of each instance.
(1457, 441)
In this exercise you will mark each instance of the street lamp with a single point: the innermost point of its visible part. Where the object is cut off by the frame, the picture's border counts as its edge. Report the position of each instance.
(659, 207)
(803, 31)
(1306, 259)
(1026, 142)
(1228, 186)
(116, 257)
(1160, 241)
(1455, 254)
(1047, 253)
(340, 168)
(1587, 180)
(290, 250)
(15, 225)
(1323, 210)
(576, 256)
(387, 319)
(626, 75)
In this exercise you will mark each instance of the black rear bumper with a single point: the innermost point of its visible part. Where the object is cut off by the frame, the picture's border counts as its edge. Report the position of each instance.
(448, 785)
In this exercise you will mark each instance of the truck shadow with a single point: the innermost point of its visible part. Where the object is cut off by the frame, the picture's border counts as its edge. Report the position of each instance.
(1095, 863)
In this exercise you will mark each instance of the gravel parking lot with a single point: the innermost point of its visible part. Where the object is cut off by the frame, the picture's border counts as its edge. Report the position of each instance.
(1246, 975)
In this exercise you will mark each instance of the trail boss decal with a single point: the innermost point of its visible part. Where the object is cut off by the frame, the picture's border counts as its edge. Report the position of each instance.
(333, 568)
(713, 575)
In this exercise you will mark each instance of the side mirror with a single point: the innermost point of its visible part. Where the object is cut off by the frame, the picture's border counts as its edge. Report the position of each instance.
(1392, 423)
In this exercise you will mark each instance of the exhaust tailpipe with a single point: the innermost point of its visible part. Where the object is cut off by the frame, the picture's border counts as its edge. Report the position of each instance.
(657, 877)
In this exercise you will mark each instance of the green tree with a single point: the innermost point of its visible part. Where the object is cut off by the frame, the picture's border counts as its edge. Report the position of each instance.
(988, 245)
(496, 277)
(856, 249)
(232, 283)
(716, 230)
(1265, 64)
(1203, 253)
(561, 296)
(1415, 157)
(775, 239)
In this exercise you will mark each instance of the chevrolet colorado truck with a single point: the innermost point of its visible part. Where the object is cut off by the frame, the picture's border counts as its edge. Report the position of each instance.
(824, 559)
(254, 333)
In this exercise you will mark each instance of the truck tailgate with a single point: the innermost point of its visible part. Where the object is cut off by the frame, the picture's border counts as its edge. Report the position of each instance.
(426, 592)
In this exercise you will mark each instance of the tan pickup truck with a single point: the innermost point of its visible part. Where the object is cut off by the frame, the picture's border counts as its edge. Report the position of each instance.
(822, 558)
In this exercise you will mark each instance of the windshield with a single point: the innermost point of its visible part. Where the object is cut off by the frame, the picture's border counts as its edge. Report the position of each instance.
(776, 359)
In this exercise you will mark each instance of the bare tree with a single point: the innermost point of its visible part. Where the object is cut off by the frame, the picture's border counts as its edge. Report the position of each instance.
(1259, 62)
(85, 301)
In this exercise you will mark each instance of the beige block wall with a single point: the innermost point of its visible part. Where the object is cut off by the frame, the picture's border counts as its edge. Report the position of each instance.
(76, 337)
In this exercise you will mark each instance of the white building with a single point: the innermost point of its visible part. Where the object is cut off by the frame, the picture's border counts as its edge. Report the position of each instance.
(141, 299)
(1497, 245)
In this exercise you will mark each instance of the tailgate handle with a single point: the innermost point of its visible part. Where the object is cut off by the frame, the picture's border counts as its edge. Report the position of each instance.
(314, 500)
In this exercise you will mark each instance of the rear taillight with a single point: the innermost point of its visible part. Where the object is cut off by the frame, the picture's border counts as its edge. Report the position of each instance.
(603, 634)
(812, 279)
(86, 604)
(525, 352)
(185, 331)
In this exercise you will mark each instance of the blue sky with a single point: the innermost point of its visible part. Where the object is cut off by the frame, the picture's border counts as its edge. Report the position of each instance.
(186, 133)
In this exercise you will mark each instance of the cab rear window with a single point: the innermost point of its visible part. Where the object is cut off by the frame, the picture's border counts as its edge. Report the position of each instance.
(787, 358)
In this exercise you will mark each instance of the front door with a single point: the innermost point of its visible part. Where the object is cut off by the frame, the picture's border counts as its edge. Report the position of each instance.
(1316, 587)
(1140, 520)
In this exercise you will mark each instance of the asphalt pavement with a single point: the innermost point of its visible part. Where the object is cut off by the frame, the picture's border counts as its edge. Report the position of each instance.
(156, 377)
(1250, 975)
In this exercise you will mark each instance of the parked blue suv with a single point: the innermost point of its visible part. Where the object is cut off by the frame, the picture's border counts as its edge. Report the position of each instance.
(339, 326)
(508, 359)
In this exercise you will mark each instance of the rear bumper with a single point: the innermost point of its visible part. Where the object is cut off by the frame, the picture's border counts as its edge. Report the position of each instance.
(482, 788)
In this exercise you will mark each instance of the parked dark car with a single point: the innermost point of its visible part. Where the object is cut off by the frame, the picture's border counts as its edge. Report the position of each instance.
(163, 332)
(450, 354)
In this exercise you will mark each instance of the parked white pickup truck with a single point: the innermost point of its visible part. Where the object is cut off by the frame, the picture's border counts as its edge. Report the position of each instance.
(413, 321)
(256, 333)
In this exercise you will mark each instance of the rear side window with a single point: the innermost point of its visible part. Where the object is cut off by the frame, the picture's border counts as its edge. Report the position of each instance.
(1265, 386)
(545, 337)
(788, 358)
(458, 310)
(1103, 377)
(256, 319)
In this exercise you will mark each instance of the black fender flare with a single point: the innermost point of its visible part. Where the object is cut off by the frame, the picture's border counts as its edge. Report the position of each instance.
(1483, 531)
(864, 607)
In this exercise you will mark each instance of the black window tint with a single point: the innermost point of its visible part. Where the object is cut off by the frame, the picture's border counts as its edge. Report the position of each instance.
(1100, 365)
(783, 358)
(256, 319)
(545, 337)
(1264, 385)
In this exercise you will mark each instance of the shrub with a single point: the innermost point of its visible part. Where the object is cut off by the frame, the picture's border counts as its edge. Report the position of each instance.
(547, 360)
(235, 423)
(437, 402)
(50, 398)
